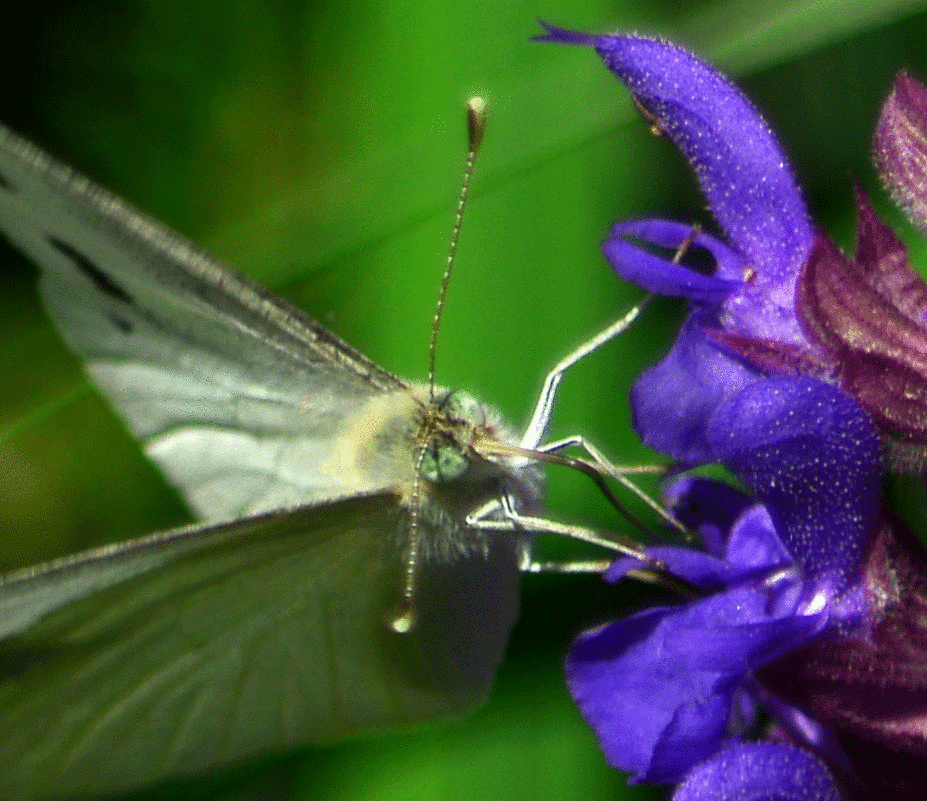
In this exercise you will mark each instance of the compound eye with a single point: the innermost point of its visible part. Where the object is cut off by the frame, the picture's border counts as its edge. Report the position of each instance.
(463, 406)
(444, 463)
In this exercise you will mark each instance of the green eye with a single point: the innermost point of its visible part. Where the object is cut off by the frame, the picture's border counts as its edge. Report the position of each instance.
(444, 463)
(463, 406)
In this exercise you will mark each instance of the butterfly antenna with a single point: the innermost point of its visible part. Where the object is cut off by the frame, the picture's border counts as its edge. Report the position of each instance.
(403, 619)
(476, 127)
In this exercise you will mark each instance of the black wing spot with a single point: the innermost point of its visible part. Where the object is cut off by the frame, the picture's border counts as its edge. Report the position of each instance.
(100, 279)
(5, 184)
(122, 324)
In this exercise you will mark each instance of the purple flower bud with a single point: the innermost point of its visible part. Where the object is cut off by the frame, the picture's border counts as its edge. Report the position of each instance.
(900, 146)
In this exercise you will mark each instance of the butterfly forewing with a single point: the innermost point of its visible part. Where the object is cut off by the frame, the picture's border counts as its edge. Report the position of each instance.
(222, 381)
(196, 650)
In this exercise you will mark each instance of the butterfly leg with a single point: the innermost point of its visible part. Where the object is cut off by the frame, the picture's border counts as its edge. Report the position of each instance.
(544, 408)
(619, 473)
(536, 429)
(652, 571)
(513, 522)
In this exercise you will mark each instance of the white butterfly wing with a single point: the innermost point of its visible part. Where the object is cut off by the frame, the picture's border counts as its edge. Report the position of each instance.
(189, 651)
(235, 393)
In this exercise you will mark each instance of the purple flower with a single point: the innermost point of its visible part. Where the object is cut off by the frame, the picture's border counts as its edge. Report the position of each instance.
(782, 299)
(672, 688)
(810, 602)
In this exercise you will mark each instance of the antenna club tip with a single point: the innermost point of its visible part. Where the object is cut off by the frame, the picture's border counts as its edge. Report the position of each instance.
(403, 620)
(476, 121)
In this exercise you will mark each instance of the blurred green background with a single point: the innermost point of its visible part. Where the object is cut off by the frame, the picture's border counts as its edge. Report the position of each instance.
(318, 146)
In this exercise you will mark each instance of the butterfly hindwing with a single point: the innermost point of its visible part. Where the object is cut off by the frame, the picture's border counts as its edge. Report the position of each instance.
(188, 652)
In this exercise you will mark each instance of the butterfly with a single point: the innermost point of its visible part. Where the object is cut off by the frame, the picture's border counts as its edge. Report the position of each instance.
(358, 563)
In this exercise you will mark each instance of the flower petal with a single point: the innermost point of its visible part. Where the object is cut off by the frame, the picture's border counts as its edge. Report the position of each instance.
(751, 550)
(658, 687)
(754, 544)
(810, 453)
(900, 146)
(737, 160)
(673, 401)
(663, 276)
(759, 772)
(699, 569)
(707, 505)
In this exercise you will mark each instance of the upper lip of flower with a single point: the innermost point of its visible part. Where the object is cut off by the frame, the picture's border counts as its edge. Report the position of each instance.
(738, 162)
(753, 195)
